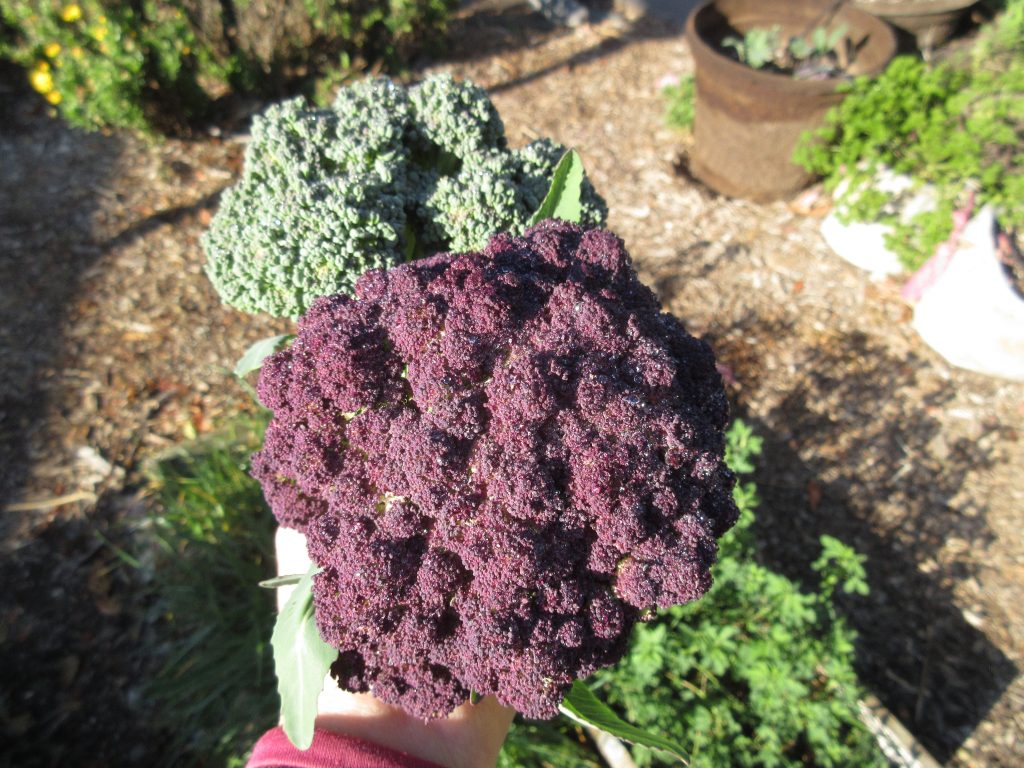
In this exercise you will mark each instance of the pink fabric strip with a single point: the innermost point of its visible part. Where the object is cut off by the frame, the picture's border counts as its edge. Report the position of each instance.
(329, 750)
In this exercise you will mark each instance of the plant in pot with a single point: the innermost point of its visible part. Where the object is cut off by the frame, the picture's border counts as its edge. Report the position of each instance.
(922, 163)
(765, 73)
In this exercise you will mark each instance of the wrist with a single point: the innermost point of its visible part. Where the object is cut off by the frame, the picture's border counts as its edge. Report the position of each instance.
(471, 737)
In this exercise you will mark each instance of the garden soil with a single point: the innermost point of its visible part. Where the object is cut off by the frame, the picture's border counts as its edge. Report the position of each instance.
(114, 348)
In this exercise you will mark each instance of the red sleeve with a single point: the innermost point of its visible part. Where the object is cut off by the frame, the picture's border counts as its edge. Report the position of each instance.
(329, 750)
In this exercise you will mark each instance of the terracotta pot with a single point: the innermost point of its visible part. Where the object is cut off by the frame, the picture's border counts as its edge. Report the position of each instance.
(931, 22)
(748, 121)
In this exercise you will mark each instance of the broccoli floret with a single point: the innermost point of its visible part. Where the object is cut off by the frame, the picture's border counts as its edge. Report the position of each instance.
(373, 116)
(499, 192)
(501, 461)
(383, 175)
(482, 198)
(456, 117)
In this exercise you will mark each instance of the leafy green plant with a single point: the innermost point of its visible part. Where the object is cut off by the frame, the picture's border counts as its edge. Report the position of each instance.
(768, 48)
(680, 110)
(213, 540)
(758, 46)
(948, 125)
(106, 63)
(157, 66)
(548, 744)
(821, 42)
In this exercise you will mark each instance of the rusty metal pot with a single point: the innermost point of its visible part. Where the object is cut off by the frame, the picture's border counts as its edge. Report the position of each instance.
(748, 121)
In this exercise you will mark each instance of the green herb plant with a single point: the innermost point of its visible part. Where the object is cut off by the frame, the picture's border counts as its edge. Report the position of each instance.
(769, 48)
(158, 66)
(213, 542)
(680, 109)
(954, 125)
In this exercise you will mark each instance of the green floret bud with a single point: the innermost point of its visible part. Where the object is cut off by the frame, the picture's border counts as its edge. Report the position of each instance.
(457, 117)
(383, 175)
(373, 117)
(464, 210)
(279, 247)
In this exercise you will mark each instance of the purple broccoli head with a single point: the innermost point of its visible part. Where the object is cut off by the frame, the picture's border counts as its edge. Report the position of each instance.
(502, 461)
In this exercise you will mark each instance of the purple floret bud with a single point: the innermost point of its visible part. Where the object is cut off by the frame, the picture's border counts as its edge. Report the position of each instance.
(502, 461)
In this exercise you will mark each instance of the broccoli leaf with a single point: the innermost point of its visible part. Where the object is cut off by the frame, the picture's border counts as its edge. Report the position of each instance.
(254, 356)
(563, 198)
(301, 660)
(584, 707)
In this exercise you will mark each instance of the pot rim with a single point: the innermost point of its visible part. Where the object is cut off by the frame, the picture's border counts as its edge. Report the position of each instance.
(913, 7)
(705, 53)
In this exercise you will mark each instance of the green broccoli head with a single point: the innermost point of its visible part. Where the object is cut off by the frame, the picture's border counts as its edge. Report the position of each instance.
(383, 175)
(313, 211)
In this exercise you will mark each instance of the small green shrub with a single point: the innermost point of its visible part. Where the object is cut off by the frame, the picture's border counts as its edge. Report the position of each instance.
(155, 65)
(756, 673)
(215, 692)
(680, 110)
(106, 64)
(950, 125)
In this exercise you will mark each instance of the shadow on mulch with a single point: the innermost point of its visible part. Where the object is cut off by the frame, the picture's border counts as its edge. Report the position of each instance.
(488, 29)
(934, 670)
(69, 660)
(73, 662)
(50, 181)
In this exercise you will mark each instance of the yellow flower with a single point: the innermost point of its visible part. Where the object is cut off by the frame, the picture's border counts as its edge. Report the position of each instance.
(76, 52)
(53, 97)
(43, 66)
(185, 51)
(98, 33)
(71, 12)
(41, 80)
(104, 48)
(52, 50)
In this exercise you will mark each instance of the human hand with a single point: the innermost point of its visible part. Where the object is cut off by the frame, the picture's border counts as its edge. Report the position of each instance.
(470, 737)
